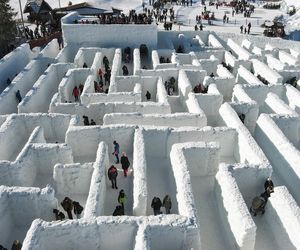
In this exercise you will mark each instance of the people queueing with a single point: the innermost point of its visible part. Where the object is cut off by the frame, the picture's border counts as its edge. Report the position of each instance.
(122, 199)
(17, 245)
(118, 211)
(125, 163)
(125, 70)
(116, 151)
(77, 209)
(67, 205)
(76, 93)
(84, 65)
(269, 184)
(93, 122)
(18, 96)
(112, 174)
(167, 204)
(58, 215)
(156, 205)
(85, 120)
(148, 95)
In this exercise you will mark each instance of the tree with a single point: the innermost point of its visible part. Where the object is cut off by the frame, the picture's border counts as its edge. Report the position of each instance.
(7, 26)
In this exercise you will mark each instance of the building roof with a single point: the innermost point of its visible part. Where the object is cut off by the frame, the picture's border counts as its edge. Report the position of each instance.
(36, 6)
(82, 9)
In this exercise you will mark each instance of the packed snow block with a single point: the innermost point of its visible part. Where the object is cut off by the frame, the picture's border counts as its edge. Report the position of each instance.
(72, 178)
(193, 106)
(170, 237)
(293, 97)
(246, 150)
(226, 137)
(250, 110)
(97, 63)
(273, 104)
(51, 50)
(23, 82)
(170, 120)
(283, 218)
(161, 94)
(88, 88)
(116, 69)
(136, 62)
(82, 234)
(238, 50)
(239, 95)
(184, 85)
(39, 97)
(126, 83)
(207, 152)
(210, 104)
(13, 63)
(116, 35)
(184, 193)
(247, 44)
(269, 74)
(258, 93)
(290, 126)
(209, 65)
(68, 53)
(287, 58)
(140, 192)
(74, 77)
(91, 136)
(283, 156)
(23, 205)
(214, 42)
(141, 239)
(236, 220)
(157, 137)
(97, 188)
(244, 76)
(274, 63)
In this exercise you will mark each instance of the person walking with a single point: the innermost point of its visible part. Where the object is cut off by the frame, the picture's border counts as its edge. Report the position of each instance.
(76, 93)
(58, 215)
(112, 176)
(116, 151)
(18, 96)
(122, 199)
(167, 203)
(148, 95)
(156, 205)
(67, 205)
(118, 211)
(269, 184)
(125, 163)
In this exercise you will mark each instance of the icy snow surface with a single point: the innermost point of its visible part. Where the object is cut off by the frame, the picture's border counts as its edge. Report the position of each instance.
(192, 146)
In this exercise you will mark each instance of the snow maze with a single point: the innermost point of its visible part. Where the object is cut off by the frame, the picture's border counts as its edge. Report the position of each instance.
(192, 146)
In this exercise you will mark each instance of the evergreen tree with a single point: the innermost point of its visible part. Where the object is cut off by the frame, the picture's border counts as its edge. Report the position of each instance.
(7, 26)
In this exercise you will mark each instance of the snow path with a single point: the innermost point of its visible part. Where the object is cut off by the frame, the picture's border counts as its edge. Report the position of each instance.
(212, 236)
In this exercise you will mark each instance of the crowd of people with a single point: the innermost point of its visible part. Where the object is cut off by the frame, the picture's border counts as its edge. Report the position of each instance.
(170, 86)
(70, 207)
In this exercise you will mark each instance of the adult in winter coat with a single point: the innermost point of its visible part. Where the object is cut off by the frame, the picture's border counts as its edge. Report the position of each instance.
(269, 184)
(156, 205)
(85, 121)
(125, 163)
(125, 70)
(18, 96)
(112, 176)
(76, 93)
(67, 205)
(122, 198)
(77, 209)
(148, 95)
(118, 211)
(167, 203)
(116, 151)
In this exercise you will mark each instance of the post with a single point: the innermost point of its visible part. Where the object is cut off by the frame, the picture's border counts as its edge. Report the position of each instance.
(21, 11)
